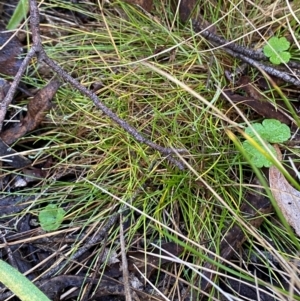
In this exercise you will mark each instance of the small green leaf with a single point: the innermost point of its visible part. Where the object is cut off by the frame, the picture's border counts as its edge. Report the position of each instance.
(51, 217)
(256, 157)
(276, 50)
(284, 57)
(258, 127)
(18, 15)
(278, 44)
(275, 131)
(271, 131)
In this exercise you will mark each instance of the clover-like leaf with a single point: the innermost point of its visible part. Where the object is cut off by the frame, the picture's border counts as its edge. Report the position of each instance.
(271, 131)
(276, 50)
(282, 57)
(275, 131)
(51, 217)
(277, 44)
(259, 128)
(256, 157)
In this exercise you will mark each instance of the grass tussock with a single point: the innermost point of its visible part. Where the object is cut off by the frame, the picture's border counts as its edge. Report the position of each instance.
(95, 166)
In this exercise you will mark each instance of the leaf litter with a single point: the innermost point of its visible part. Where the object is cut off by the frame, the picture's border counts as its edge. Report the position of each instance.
(286, 196)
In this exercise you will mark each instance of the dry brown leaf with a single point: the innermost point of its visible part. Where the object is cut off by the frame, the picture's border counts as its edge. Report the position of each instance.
(286, 196)
(36, 110)
(255, 100)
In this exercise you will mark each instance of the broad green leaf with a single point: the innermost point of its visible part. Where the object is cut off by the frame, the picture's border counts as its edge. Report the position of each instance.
(18, 15)
(19, 284)
(276, 50)
(275, 131)
(283, 57)
(51, 217)
(259, 128)
(278, 44)
(256, 157)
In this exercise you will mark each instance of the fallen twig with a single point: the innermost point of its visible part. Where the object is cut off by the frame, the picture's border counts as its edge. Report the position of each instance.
(252, 57)
(124, 263)
(37, 49)
(10, 94)
(267, 68)
(36, 110)
(112, 220)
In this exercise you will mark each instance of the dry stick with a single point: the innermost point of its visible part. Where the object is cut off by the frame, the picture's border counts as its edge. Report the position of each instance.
(250, 56)
(10, 94)
(102, 234)
(87, 245)
(124, 263)
(34, 20)
(254, 54)
(34, 24)
(268, 69)
(108, 112)
(251, 53)
(100, 259)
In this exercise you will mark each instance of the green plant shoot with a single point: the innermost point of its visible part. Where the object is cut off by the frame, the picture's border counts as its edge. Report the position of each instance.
(51, 217)
(271, 131)
(19, 284)
(18, 15)
(276, 50)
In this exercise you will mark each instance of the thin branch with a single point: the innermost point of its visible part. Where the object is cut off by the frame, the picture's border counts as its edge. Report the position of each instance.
(108, 112)
(38, 50)
(254, 54)
(252, 57)
(112, 220)
(124, 262)
(34, 23)
(12, 90)
(268, 69)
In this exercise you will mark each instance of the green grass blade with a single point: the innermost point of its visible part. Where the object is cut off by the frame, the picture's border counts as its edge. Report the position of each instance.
(19, 284)
(18, 15)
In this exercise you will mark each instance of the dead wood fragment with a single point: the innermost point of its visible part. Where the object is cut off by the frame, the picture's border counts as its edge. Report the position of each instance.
(36, 110)
(4, 87)
(254, 58)
(127, 291)
(7, 154)
(11, 92)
